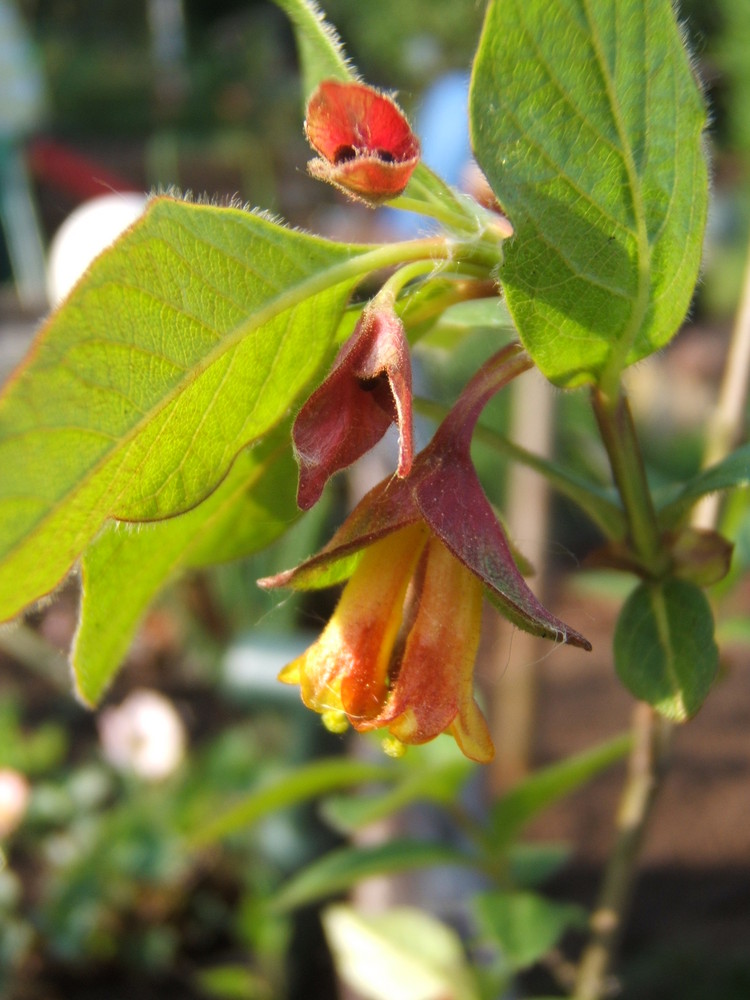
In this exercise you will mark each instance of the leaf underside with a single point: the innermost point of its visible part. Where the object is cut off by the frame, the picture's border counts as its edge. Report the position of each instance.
(125, 567)
(185, 341)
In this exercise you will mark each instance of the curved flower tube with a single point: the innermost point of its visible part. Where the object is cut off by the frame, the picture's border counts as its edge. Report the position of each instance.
(366, 146)
(398, 652)
(399, 655)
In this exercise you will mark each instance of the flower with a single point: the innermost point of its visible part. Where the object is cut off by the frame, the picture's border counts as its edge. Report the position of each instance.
(368, 388)
(366, 146)
(399, 655)
(399, 650)
(143, 735)
(14, 799)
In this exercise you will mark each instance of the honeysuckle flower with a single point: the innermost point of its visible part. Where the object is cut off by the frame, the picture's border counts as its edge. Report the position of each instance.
(368, 388)
(366, 146)
(420, 553)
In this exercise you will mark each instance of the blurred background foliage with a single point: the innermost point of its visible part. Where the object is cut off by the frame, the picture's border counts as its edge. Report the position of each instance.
(101, 893)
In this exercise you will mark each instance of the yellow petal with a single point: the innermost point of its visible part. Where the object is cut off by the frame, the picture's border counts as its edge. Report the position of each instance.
(347, 668)
(290, 673)
(469, 730)
(433, 692)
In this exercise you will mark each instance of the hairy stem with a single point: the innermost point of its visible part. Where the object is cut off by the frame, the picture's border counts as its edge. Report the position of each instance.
(648, 758)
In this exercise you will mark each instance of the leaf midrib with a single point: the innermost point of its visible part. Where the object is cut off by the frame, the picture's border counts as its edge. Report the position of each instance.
(610, 375)
(658, 602)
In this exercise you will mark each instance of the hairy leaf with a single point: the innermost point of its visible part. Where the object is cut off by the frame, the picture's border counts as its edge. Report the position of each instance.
(665, 652)
(587, 119)
(126, 566)
(185, 341)
(320, 50)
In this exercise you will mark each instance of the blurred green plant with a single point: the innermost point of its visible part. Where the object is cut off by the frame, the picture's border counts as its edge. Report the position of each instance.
(510, 915)
(118, 883)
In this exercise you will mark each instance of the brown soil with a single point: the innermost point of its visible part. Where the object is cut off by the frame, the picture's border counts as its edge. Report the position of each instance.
(689, 929)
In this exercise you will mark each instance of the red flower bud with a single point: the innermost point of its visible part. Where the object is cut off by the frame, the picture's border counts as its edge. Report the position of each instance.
(366, 146)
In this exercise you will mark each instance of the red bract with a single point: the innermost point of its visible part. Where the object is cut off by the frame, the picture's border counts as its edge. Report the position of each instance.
(365, 143)
(399, 651)
(369, 388)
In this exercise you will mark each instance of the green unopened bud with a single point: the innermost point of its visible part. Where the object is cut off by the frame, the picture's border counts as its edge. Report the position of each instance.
(702, 557)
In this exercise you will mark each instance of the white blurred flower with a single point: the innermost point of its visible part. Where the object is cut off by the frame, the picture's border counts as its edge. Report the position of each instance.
(89, 229)
(144, 735)
(14, 797)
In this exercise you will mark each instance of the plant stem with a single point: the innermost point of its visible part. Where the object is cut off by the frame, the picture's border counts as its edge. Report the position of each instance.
(618, 435)
(431, 209)
(394, 285)
(28, 647)
(648, 759)
(728, 416)
(651, 733)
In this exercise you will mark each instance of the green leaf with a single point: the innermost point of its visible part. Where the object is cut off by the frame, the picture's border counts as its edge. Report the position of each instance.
(185, 341)
(445, 328)
(731, 473)
(665, 653)
(533, 863)
(343, 868)
(232, 982)
(439, 783)
(320, 50)
(523, 925)
(586, 118)
(252, 506)
(290, 789)
(535, 793)
(433, 310)
(402, 954)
